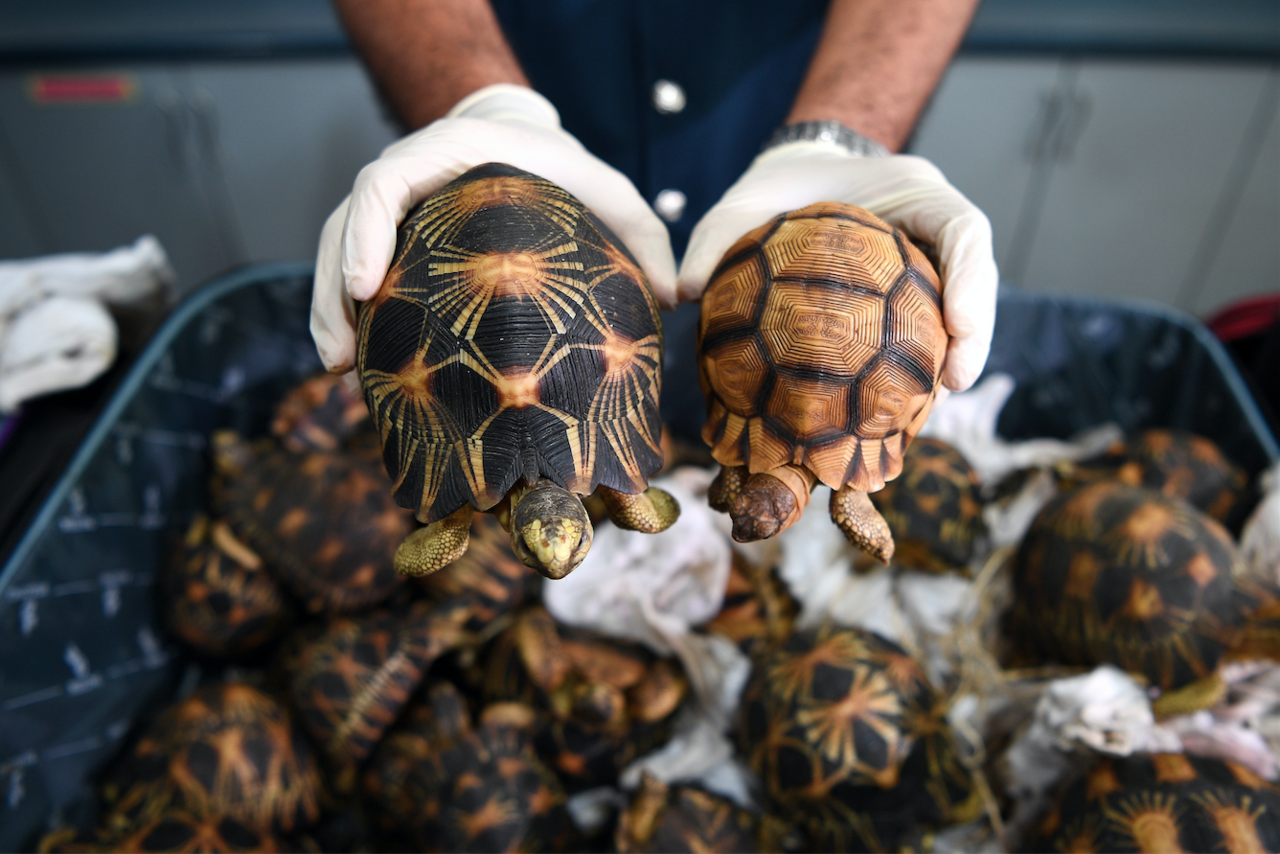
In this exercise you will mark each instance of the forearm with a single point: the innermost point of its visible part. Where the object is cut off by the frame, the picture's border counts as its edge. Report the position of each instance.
(429, 54)
(877, 63)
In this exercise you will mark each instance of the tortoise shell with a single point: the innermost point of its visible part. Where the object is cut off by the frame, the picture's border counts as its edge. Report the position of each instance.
(514, 337)
(1162, 802)
(185, 830)
(228, 750)
(320, 414)
(603, 702)
(821, 344)
(850, 739)
(351, 677)
(1175, 463)
(934, 508)
(324, 522)
(758, 608)
(1115, 573)
(452, 788)
(220, 600)
(489, 575)
(662, 818)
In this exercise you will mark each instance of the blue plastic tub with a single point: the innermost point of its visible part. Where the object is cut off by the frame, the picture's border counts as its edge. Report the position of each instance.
(82, 650)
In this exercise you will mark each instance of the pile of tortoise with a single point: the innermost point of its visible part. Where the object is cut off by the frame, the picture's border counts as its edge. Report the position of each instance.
(376, 670)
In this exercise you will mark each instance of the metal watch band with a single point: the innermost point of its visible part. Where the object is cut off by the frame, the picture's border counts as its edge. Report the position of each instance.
(831, 132)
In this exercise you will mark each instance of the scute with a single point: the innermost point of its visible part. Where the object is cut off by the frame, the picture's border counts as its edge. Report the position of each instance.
(519, 340)
(819, 329)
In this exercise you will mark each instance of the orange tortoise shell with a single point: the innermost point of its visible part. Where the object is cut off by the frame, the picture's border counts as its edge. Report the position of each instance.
(821, 344)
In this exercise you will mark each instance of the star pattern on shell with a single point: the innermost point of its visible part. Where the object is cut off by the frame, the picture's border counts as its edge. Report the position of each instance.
(500, 257)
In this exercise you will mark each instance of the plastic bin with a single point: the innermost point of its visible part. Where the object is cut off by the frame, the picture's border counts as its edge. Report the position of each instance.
(82, 651)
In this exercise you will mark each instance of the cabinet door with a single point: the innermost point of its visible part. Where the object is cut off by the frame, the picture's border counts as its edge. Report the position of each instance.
(291, 137)
(1246, 258)
(1126, 207)
(978, 129)
(101, 174)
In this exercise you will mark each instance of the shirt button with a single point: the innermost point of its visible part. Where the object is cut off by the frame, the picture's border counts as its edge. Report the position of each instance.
(670, 204)
(668, 97)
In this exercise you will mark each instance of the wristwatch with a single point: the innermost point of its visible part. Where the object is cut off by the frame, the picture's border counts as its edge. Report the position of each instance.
(831, 132)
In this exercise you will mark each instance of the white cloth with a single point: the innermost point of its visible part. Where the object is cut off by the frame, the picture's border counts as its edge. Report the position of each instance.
(1104, 711)
(1260, 540)
(502, 123)
(55, 330)
(905, 191)
(967, 422)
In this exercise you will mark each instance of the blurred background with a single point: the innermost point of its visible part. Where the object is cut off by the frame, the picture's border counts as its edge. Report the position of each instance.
(1120, 147)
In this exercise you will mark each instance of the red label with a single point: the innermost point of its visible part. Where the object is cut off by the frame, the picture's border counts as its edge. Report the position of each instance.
(82, 88)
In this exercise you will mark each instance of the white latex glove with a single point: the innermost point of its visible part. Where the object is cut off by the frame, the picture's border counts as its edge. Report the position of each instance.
(905, 191)
(503, 123)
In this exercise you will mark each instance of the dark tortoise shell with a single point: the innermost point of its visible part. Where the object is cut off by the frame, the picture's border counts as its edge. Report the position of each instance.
(934, 508)
(602, 702)
(850, 741)
(1169, 802)
(227, 750)
(446, 786)
(351, 677)
(1175, 463)
(662, 818)
(219, 598)
(1121, 574)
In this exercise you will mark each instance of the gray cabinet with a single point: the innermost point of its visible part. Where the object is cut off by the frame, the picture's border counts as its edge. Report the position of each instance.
(1125, 179)
(227, 163)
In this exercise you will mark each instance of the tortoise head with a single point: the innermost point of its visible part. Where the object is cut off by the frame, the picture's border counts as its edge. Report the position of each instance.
(232, 453)
(550, 530)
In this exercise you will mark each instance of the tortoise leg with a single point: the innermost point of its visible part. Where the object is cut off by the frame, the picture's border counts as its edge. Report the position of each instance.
(770, 502)
(435, 546)
(861, 522)
(649, 512)
(1198, 695)
(550, 530)
(726, 488)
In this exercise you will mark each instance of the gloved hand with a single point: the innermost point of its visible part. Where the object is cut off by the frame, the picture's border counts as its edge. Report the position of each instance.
(502, 123)
(905, 191)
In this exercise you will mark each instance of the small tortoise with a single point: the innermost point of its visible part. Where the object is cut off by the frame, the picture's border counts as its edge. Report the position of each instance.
(321, 414)
(850, 741)
(351, 677)
(451, 787)
(664, 818)
(219, 599)
(512, 362)
(1164, 802)
(323, 522)
(758, 608)
(1121, 574)
(821, 347)
(605, 702)
(228, 750)
(1173, 462)
(933, 509)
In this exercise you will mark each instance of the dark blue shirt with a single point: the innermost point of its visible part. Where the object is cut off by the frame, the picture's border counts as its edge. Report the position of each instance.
(739, 64)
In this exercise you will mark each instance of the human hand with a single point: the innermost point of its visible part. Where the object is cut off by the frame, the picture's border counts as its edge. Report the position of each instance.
(905, 191)
(503, 123)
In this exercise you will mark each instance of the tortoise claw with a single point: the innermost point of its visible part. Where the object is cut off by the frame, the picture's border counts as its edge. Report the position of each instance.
(862, 524)
(437, 545)
(550, 530)
(650, 512)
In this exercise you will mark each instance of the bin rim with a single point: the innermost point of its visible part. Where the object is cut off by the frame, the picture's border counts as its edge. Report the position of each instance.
(1193, 325)
(138, 373)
